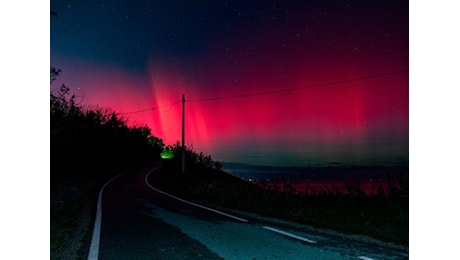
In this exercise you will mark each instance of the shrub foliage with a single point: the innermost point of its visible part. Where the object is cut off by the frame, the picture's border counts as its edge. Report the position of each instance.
(85, 143)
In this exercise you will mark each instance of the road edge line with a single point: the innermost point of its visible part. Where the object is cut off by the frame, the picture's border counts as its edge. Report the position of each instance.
(365, 258)
(95, 239)
(189, 202)
(289, 234)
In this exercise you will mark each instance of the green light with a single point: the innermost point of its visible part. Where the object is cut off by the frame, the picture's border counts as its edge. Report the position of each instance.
(167, 153)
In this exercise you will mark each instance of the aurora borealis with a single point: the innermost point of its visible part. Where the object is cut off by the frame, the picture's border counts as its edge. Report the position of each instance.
(133, 57)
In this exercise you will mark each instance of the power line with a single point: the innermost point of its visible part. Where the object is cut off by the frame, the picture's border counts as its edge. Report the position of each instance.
(268, 92)
(149, 109)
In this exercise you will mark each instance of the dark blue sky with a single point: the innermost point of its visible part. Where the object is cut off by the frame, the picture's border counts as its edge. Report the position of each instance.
(130, 33)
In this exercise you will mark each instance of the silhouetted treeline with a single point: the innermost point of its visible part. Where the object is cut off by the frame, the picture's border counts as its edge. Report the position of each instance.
(89, 144)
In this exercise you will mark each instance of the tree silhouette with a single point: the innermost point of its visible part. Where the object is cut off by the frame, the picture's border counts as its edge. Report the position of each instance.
(99, 139)
(54, 73)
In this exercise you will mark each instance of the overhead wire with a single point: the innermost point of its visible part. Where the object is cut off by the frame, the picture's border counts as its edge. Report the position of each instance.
(149, 109)
(269, 92)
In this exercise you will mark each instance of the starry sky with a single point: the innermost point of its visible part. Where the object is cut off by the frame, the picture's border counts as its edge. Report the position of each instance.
(288, 83)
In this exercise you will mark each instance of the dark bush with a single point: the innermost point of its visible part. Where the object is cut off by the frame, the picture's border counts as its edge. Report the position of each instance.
(87, 144)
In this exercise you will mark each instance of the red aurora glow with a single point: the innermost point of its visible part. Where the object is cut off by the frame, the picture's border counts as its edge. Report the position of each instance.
(358, 122)
(333, 123)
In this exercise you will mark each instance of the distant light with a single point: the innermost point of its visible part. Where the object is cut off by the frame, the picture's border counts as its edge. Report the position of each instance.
(167, 153)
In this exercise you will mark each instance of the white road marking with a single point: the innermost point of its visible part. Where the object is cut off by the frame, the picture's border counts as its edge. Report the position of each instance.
(365, 258)
(289, 235)
(95, 240)
(190, 203)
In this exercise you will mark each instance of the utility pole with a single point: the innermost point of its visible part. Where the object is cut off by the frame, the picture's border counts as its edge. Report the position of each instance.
(183, 133)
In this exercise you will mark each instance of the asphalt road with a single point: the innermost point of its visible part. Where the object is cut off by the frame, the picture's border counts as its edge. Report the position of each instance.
(139, 222)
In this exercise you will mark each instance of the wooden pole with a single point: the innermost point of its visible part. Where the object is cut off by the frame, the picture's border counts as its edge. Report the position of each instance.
(183, 133)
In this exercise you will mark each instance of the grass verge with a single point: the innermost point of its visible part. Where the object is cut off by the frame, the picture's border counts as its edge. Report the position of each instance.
(72, 204)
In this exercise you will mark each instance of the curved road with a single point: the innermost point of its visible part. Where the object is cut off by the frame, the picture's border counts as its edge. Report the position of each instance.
(139, 222)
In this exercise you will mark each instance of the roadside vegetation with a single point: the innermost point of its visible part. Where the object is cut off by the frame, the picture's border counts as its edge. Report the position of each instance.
(88, 147)
(384, 215)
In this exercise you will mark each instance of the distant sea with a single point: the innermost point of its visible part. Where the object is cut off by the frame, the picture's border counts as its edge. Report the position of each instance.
(321, 178)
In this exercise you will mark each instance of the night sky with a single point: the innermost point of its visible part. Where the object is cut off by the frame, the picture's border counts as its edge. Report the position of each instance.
(266, 82)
